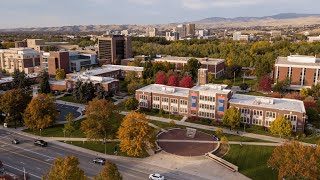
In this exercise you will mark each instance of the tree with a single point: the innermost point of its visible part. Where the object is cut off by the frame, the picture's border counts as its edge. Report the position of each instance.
(296, 161)
(130, 77)
(20, 80)
(109, 172)
(186, 82)
(309, 102)
(211, 78)
(231, 117)
(60, 74)
(192, 67)
(44, 85)
(133, 86)
(224, 140)
(265, 83)
(83, 91)
(219, 132)
(69, 126)
(313, 115)
(304, 92)
(232, 71)
(227, 82)
(281, 86)
(173, 80)
(294, 95)
(134, 134)
(131, 103)
(50, 48)
(13, 104)
(161, 78)
(315, 90)
(100, 113)
(101, 93)
(41, 112)
(244, 86)
(281, 126)
(65, 168)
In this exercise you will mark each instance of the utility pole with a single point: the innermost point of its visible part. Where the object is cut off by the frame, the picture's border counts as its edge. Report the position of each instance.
(24, 174)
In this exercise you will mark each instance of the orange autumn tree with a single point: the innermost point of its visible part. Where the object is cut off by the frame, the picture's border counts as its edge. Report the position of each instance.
(134, 134)
(296, 161)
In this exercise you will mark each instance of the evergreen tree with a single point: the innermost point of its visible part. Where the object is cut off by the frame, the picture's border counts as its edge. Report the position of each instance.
(43, 80)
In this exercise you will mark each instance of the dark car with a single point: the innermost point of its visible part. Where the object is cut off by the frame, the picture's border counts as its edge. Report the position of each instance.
(101, 161)
(41, 143)
(15, 141)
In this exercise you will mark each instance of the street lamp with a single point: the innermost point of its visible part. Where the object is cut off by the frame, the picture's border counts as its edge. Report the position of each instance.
(40, 132)
(64, 133)
(105, 142)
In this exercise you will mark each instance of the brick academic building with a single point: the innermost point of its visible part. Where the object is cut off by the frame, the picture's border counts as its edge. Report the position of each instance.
(301, 71)
(211, 101)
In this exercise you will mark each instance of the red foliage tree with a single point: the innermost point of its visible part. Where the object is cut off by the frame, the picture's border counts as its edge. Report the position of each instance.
(309, 102)
(265, 83)
(173, 80)
(161, 78)
(186, 82)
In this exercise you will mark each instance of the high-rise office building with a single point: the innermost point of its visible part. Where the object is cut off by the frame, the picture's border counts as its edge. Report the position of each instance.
(190, 29)
(113, 48)
(151, 32)
(181, 29)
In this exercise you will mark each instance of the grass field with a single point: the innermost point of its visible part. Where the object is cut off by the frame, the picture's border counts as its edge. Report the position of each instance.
(57, 131)
(99, 147)
(252, 161)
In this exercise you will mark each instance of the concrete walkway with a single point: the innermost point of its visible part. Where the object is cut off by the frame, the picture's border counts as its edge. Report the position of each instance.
(79, 139)
(230, 142)
(184, 118)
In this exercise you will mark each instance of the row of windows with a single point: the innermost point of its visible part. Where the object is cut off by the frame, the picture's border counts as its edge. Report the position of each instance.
(257, 121)
(291, 117)
(143, 97)
(206, 106)
(270, 114)
(257, 112)
(172, 100)
(206, 114)
(207, 98)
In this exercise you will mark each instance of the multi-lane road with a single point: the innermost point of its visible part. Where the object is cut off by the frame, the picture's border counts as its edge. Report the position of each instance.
(37, 161)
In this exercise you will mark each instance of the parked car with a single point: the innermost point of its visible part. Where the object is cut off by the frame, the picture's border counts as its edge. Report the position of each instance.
(41, 143)
(101, 161)
(15, 141)
(156, 177)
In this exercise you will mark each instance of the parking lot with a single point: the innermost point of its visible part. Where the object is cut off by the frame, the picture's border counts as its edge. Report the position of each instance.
(65, 109)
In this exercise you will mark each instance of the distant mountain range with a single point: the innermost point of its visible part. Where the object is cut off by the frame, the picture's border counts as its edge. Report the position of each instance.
(283, 19)
(280, 16)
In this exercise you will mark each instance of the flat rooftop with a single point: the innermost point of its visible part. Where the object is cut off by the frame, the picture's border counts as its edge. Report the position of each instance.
(93, 79)
(125, 68)
(209, 61)
(95, 72)
(298, 60)
(212, 88)
(166, 90)
(267, 102)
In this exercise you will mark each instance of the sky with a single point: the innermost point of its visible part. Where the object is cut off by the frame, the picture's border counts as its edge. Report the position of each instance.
(50, 13)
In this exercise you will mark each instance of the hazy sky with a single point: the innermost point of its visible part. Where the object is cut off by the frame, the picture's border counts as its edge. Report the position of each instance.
(39, 13)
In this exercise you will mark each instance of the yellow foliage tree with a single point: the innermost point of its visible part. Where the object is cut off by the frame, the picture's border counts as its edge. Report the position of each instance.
(281, 126)
(134, 134)
(41, 112)
(65, 168)
(109, 172)
(60, 74)
(296, 161)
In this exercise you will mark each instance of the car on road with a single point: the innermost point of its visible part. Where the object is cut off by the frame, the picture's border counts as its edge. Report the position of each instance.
(15, 141)
(156, 177)
(101, 161)
(41, 143)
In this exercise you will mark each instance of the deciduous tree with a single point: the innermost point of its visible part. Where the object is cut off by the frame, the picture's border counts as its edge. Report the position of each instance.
(134, 134)
(65, 168)
(231, 117)
(281, 126)
(131, 103)
(20, 80)
(265, 83)
(192, 67)
(219, 132)
(296, 161)
(293, 95)
(60, 74)
(98, 124)
(244, 86)
(109, 172)
(41, 112)
(69, 127)
(304, 92)
(161, 78)
(173, 80)
(13, 104)
(186, 82)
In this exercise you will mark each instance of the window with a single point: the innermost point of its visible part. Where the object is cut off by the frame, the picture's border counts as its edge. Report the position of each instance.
(156, 98)
(156, 106)
(183, 102)
(270, 114)
(144, 97)
(291, 117)
(294, 127)
(183, 110)
(174, 109)
(165, 107)
(175, 101)
(165, 99)
(245, 120)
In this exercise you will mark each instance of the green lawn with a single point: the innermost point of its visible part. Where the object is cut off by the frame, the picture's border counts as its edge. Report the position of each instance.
(166, 115)
(313, 140)
(99, 147)
(57, 131)
(252, 161)
(238, 81)
(69, 98)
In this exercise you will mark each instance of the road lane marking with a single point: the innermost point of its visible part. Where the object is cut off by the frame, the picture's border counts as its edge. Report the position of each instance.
(27, 157)
(21, 170)
(27, 150)
(22, 163)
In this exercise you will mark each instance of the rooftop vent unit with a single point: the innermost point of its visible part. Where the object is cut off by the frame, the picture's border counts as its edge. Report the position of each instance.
(258, 101)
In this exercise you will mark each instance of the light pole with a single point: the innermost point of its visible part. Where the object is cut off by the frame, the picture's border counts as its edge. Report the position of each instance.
(64, 133)
(24, 174)
(40, 132)
(105, 143)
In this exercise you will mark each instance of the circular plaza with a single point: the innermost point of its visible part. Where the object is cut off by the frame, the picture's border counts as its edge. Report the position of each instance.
(181, 142)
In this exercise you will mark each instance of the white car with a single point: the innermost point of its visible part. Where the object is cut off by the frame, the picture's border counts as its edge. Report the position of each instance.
(156, 177)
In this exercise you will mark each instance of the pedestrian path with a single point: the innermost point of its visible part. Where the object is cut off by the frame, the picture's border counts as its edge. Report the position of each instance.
(184, 118)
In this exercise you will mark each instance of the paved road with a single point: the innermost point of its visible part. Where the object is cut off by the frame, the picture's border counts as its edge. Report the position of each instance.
(37, 160)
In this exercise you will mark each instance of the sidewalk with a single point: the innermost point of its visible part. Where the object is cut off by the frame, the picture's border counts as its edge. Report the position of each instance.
(212, 128)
